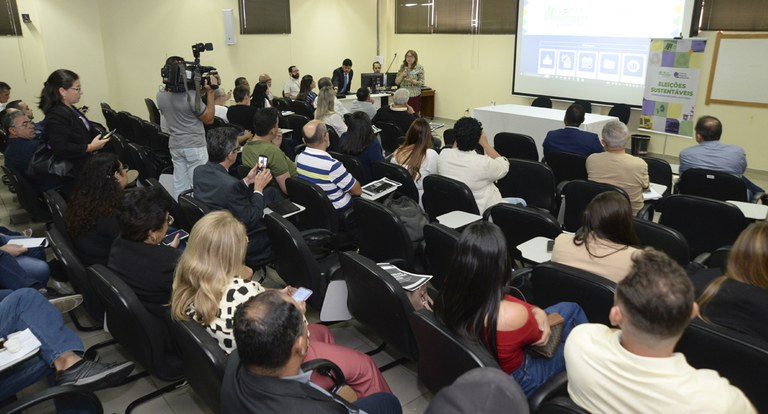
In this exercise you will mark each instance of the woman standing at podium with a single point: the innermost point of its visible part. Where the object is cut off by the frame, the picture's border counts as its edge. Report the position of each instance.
(410, 76)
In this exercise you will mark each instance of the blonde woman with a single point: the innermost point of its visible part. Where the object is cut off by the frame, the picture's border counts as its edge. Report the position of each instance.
(325, 112)
(738, 299)
(211, 281)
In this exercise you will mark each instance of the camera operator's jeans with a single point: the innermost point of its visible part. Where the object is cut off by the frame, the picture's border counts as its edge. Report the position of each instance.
(185, 160)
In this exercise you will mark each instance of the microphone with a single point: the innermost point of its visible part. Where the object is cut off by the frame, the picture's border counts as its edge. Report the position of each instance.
(390, 63)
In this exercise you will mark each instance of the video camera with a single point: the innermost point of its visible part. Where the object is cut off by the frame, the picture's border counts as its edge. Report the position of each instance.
(180, 77)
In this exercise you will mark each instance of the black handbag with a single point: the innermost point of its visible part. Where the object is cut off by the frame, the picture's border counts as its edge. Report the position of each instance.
(45, 163)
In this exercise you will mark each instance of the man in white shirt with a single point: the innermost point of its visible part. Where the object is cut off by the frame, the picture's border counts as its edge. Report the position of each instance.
(291, 87)
(268, 80)
(635, 368)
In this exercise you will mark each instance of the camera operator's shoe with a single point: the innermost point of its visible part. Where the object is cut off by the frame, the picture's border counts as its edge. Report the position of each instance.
(95, 375)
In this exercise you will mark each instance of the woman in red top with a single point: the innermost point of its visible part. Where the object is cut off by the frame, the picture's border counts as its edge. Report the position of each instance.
(473, 299)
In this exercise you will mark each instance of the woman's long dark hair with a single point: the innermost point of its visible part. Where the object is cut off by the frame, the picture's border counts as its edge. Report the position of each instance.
(608, 217)
(305, 87)
(96, 194)
(359, 134)
(474, 284)
(259, 95)
(50, 96)
(412, 152)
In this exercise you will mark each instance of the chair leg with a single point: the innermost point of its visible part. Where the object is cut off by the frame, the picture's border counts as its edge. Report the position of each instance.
(376, 350)
(155, 394)
(92, 351)
(76, 321)
(393, 364)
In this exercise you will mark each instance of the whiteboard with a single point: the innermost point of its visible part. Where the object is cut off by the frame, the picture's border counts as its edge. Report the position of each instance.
(739, 74)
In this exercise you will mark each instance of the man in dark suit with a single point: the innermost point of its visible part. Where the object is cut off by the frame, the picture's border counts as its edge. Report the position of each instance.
(342, 77)
(571, 138)
(214, 187)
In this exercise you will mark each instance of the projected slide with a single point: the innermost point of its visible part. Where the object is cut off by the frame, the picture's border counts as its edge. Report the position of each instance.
(591, 49)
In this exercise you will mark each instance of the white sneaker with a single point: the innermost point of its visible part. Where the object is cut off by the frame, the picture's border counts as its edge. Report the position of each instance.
(67, 303)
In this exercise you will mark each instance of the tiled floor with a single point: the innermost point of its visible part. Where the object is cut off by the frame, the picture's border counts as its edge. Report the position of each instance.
(402, 379)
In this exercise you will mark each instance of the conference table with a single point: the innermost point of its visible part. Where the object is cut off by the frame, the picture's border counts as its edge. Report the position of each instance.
(531, 120)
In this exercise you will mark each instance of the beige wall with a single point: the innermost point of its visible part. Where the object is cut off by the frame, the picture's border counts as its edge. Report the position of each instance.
(118, 47)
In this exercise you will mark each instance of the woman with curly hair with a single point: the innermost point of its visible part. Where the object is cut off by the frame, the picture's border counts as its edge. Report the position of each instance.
(67, 132)
(325, 112)
(211, 281)
(90, 218)
(416, 153)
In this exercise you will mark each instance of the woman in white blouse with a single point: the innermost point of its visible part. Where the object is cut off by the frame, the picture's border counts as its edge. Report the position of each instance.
(325, 112)
(416, 153)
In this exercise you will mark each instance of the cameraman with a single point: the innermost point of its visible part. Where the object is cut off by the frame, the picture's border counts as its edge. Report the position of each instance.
(187, 143)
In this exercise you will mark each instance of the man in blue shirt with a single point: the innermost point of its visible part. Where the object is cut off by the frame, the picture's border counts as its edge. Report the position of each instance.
(571, 138)
(711, 154)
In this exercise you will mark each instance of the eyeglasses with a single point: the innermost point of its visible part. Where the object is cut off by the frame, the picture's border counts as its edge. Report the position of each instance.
(78, 89)
(25, 124)
(170, 219)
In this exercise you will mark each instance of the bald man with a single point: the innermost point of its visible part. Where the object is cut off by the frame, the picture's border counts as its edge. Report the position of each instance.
(315, 165)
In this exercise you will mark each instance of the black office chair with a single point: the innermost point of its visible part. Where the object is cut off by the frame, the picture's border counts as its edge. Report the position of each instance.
(137, 131)
(390, 136)
(552, 283)
(712, 184)
(203, 360)
(739, 358)
(179, 218)
(717, 258)
(705, 223)
(296, 122)
(440, 245)
(193, 209)
(552, 398)
(520, 224)
(399, 174)
(303, 108)
(584, 104)
(140, 158)
(567, 166)
(532, 181)
(659, 172)
(87, 399)
(78, 278)
(333, 139)
(378, 302)
(134, 329)
(621, 111)
(576, 195)
(282, 104)
(663, 238)
(27, 195)
(294, 261)
(159, 144)
(58, 208)
(353, 166)
(443, 195)
(444, 356)
(382, 237)
(124, 126)
(154, 112)
(319, 214)
(111, 117)
(542, 102)
(514, 145)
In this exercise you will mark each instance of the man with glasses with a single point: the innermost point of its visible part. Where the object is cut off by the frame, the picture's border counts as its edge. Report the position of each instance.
(268, 80)
(266, 143)
(22, 143)
(245, 199)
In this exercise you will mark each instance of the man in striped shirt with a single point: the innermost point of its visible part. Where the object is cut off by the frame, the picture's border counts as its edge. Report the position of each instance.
(315, 165)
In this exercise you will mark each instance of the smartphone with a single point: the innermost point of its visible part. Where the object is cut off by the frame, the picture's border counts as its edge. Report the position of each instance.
(302, 294)
(108, 134)
(550, 245)
(169, 238)
(262, 164)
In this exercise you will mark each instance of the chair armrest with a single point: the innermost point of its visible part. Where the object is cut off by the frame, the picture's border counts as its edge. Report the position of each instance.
(327, 368)
(557, 385)
(84, 396)
(647, 212)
